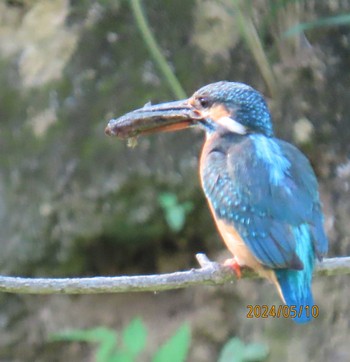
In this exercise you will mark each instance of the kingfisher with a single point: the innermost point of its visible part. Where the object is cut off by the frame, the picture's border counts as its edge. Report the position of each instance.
(262, 191)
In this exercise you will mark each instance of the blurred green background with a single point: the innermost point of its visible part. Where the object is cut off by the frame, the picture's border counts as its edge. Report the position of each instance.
(74, 202)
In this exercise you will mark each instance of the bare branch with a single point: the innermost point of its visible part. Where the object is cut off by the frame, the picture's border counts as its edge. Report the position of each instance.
(210, 273)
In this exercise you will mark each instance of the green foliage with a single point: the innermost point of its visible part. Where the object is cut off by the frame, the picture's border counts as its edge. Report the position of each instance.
(106, 339)
(134, 337)
(235, 350)
(155, 50)
(133, 341)
(175, 213)
(176, 348)
(250, 34)
(338, 20)
(128, 345)
(280, 15)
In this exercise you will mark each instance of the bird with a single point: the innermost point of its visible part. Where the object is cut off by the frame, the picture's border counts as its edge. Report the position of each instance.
(262, 191)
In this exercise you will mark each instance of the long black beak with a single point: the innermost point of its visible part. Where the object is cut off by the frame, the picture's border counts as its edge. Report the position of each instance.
(162, 117)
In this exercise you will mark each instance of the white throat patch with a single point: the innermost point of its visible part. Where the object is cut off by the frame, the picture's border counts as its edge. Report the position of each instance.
(232, 125)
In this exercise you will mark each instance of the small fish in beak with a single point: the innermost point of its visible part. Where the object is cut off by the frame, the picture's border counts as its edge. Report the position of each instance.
(170, 116)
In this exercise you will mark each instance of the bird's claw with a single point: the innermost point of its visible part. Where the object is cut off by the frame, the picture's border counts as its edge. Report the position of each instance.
(233, 265)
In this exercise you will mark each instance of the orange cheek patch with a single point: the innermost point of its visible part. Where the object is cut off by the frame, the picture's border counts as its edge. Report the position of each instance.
(218, 111)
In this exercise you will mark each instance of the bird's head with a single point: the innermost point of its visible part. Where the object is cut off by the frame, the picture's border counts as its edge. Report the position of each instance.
(235, 107)
(217, 107)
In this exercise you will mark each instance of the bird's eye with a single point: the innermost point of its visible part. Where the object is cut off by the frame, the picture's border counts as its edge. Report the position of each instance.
(204, 102)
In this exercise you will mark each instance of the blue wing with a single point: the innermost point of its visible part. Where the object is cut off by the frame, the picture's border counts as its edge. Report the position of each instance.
(267, 189)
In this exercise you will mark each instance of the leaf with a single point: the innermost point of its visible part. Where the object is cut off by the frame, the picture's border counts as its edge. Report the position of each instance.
(175, 213)
(120, 356)
(233, 351)
(106, 339)
(105, 350)
(175, 218)
(256, 352)
(134, 337)
(86, 335)
(176, 348)
(338, 20)
(167, 199)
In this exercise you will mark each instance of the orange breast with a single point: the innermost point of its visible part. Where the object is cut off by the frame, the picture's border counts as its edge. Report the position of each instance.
(241, 252)
(237, 246)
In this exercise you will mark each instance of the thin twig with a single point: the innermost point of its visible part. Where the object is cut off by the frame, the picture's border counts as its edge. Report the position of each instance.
(210, 273)
(249, 33)
(155, 51)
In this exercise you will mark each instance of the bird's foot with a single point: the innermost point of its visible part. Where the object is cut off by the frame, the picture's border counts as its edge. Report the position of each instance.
(233, 264)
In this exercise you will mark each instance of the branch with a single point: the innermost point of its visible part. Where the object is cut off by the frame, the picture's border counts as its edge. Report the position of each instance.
(210, 273)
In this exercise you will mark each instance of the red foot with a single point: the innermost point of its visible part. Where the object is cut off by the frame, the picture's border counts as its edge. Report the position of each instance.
(232, 264)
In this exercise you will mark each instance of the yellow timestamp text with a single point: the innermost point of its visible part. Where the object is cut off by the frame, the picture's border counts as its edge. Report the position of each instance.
(282, 311)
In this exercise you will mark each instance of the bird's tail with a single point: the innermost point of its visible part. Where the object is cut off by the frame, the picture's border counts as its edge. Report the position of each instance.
(295, 288)
(295, 285)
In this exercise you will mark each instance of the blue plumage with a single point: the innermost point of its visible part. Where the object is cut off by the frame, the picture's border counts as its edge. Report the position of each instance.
(237, 182)
(248, 105)
(261, 190)
(268, 151)
(296, 284)
(266, 189)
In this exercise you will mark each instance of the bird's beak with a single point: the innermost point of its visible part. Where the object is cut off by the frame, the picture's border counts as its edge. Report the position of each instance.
(171, 116)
